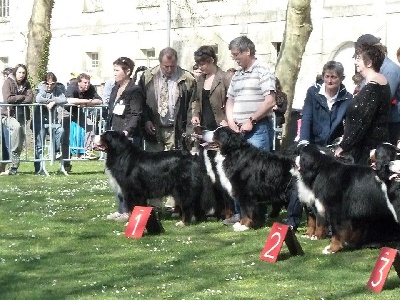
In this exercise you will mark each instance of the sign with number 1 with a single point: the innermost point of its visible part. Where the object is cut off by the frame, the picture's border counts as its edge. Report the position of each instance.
(387, 258)
(137, 221)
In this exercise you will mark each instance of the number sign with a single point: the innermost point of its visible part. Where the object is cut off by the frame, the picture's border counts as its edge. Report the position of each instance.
(280, 233)
(387, 258)
(137, 221)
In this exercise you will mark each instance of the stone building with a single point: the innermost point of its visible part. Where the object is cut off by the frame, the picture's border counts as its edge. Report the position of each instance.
(88, 35)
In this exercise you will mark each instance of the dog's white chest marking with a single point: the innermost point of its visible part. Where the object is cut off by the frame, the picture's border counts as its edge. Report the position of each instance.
(306, 195)
(390, 206)
(226, 184)
(113, 182)
(209, 169)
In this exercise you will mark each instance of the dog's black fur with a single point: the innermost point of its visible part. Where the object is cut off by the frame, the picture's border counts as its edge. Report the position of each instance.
(349, 196)
(142, 175)
(251, 176)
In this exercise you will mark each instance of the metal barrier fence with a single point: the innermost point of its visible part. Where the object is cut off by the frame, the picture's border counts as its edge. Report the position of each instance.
(43, 135)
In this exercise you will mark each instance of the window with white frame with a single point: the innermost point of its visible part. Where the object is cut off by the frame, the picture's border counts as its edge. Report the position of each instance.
(148, 3)
(4, 8)
(90, 6)
(92, 60)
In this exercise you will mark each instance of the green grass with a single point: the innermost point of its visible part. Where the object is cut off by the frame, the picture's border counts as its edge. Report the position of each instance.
(56, 244)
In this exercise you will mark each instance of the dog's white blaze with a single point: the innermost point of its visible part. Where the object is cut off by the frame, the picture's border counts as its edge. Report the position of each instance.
(113, 183)
(96, 139)
(219, 159)
(208, 136)
(394, 166)
(305, 194)
(209, 169)
(390, 206)
(319, 206)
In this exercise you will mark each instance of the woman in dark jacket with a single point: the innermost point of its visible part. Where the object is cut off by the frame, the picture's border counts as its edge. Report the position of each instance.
(125, 106)
(16, 91)
(325, 107)
(367, 116)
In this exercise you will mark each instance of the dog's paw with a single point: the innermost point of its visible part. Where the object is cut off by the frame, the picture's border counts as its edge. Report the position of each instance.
(236, 225)
(180, 224)
(327, 250)
(313, 238)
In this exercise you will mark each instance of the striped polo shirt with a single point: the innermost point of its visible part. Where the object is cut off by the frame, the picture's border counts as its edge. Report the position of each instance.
(248, 90)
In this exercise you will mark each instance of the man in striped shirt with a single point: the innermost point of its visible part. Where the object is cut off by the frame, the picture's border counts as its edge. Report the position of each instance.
(251, 95)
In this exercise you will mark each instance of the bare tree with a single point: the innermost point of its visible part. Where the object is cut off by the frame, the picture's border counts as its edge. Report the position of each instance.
(39, 36)
(297, 32)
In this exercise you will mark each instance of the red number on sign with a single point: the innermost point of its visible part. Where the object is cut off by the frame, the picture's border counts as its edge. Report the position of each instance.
(267, 254)
(137, 221)
(381, 269)
(274, 242)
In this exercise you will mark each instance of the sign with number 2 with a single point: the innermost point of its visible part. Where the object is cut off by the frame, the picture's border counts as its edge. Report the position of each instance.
(137, 222)
(387, 258)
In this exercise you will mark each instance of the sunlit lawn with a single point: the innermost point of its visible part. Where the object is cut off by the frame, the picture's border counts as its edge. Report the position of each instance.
(55, 243)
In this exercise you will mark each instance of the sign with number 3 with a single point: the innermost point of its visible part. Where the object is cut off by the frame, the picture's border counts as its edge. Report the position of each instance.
(387, 258)
(137, 222)
(280, 233)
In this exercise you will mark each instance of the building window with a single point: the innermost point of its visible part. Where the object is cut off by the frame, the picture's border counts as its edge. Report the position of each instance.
(4, 8)
(90, 6)
(93, 60)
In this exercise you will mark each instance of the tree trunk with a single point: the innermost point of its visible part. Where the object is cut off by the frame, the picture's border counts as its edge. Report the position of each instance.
(39, 36)
(297, 32)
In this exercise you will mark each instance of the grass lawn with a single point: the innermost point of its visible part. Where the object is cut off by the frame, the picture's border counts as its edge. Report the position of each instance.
(55, 243)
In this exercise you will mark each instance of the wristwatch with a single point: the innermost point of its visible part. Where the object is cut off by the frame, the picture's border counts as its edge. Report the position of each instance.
(254, 122)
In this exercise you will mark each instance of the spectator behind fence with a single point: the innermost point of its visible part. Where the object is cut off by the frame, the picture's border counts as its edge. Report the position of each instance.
(367, 116)
(4, 134)
(281, 104)
(125, 106)
(16, 90)
(170, 92)
(79, 94)
(51, 93)
(212, 86)
(324, 110)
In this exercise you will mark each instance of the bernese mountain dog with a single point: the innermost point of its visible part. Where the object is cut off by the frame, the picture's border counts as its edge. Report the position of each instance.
(349, 196)
(142, 175)
(253, 177)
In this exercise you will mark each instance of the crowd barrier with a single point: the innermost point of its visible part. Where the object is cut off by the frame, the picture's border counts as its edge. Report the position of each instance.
(62, 133)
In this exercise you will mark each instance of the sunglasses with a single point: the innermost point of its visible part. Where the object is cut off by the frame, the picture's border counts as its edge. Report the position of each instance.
(200, 53)
(50, 83)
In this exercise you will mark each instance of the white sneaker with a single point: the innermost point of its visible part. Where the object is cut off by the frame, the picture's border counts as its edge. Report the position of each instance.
(122, 218)
(113, 215)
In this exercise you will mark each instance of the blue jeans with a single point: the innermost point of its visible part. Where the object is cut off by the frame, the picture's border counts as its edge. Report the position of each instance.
(261, 135)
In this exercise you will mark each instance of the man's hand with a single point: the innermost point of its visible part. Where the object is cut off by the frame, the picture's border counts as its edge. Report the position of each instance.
(149, 127)
(247, 126)
(232, 125)
(50, 105)
(195, 120)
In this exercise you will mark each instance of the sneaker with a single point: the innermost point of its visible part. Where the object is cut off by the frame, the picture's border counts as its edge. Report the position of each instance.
(89, 155)
(67, 168)
(113, 215)
(58, 156)
(10, 171)
(232, 220)
(122, 218)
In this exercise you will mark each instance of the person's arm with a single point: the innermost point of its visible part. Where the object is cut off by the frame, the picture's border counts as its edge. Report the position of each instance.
(9, 97)
(263, 110)
(355, 132)
(307, 117)
(28, 94)
(136, 100)
(229, 115)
